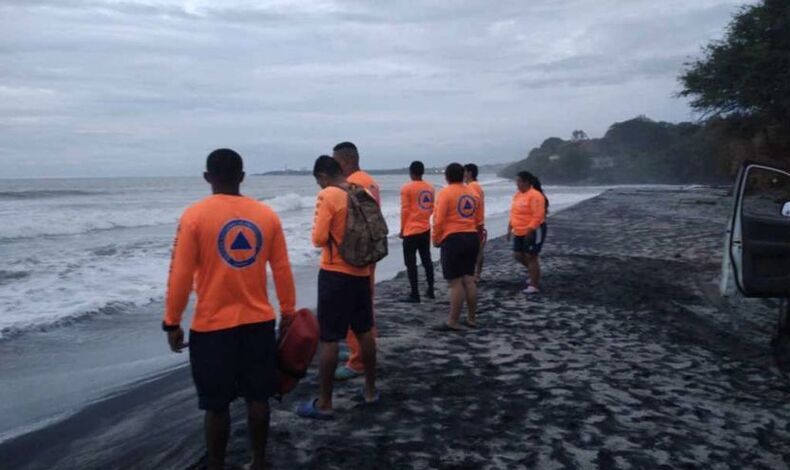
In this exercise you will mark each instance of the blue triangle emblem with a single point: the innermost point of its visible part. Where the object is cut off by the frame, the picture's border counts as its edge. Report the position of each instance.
(426, 199)
(241, 243)
(468, 206)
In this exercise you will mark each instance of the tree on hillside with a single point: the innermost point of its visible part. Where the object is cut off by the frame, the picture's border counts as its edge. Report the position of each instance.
(579, 135)
(747, 73)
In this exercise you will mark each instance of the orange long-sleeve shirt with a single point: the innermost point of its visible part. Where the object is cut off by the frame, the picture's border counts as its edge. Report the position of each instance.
(527, 212)
(416, 206)
(455, 212)
(222, 246)
(331, 209)
(481, 199)
(360, 178)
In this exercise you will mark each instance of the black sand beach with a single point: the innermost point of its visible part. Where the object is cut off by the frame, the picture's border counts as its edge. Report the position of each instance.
(629, 359)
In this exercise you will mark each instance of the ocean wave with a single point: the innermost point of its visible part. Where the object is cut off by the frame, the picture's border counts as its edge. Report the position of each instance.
(23, 225)
(290, 202)
(41, 325)
(45, 194)
(8, 276)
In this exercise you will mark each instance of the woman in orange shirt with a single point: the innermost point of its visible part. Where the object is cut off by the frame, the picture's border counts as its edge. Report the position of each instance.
(527, 226)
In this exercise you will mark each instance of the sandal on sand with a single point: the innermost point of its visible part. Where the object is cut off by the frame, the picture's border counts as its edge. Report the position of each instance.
(307, 409)
(376, 397)
(470, 324)
(446, 327)
(346, 373)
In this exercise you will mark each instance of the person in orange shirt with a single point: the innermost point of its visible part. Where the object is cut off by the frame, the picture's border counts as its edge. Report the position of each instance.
(455, 221)
(470, 178)
(416, 206)
(347, 157)
(343, 292)
(222, 246)
(527, 226)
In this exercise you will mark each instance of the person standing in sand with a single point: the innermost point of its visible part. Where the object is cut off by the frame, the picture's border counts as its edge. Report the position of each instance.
(470, 178)
(343, 293)
(416, 206)
(527, 226)
(455, 221)
(347, 156)
(222, 245)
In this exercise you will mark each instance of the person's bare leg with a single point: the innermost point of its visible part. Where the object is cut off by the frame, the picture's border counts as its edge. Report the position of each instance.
(479, 264)
(521, 258)
(534, 271)
(368, 347)
(326, 375)
(258, 428)
(470, 289)
(456, 301)
(217, 428)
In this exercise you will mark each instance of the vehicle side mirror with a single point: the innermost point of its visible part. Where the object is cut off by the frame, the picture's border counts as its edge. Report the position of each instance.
(786, 209)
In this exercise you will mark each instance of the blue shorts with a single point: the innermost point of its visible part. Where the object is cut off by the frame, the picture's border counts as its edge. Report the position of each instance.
(531, 244)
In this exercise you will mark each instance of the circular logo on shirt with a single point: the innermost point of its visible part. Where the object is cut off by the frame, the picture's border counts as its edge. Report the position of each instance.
(239, 242)
(425, 200)
(466, 206)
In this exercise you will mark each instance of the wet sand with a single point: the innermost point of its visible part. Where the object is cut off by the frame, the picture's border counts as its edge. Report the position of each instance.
(629, 359)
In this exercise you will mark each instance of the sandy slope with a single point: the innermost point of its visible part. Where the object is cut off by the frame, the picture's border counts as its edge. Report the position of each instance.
(628, 360)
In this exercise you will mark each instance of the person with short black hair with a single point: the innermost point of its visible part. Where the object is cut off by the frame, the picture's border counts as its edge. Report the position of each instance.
(455, 221)
(222, 246)
(416, 206)
(344, 295)
(347, 155)
(470, 178)
(527, 227)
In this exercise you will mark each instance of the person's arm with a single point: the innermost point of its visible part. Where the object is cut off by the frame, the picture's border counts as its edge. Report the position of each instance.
(321, 221)
(439, 214)
(179, 284)
(482, 220)
(283, 277)
(480, 213)
(538, 207)
(510, 219)
(404, 209)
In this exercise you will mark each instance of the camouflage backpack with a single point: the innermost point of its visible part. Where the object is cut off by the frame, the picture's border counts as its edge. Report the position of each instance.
(365, 239)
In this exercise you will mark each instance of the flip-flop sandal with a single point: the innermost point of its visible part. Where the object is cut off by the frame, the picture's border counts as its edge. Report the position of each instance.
(376, 398)
(446, 327)
(307, 409)
(346, 373)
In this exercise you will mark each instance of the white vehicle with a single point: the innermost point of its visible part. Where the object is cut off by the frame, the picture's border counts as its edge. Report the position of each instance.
(757, 248)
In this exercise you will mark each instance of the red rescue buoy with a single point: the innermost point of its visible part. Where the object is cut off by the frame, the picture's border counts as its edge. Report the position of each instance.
(295, 350)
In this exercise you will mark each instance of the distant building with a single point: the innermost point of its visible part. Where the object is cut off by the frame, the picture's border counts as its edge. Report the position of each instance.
(601, 163)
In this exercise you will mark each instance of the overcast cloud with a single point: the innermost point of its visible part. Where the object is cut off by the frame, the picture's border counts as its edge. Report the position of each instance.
(128, 88)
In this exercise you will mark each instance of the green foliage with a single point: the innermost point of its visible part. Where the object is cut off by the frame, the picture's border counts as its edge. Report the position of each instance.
(748, 72)
(635, 151)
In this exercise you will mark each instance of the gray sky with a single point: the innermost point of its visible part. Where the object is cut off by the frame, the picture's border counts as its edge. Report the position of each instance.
(149, 87)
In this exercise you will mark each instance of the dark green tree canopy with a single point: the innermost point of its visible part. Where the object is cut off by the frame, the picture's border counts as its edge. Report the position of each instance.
(748, 72)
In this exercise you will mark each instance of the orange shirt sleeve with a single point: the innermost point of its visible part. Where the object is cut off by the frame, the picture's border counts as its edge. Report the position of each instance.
(281, 270)
(404, 207)
(439, 216)
(322, 220)
(537, 207)
(183, 264)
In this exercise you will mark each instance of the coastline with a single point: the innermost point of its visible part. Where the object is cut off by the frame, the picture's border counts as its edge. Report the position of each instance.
(627, 358)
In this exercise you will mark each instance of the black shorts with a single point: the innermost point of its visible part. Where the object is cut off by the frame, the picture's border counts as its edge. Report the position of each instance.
(234, 362)
(344, 301)
(459, 255)
(531, 244)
